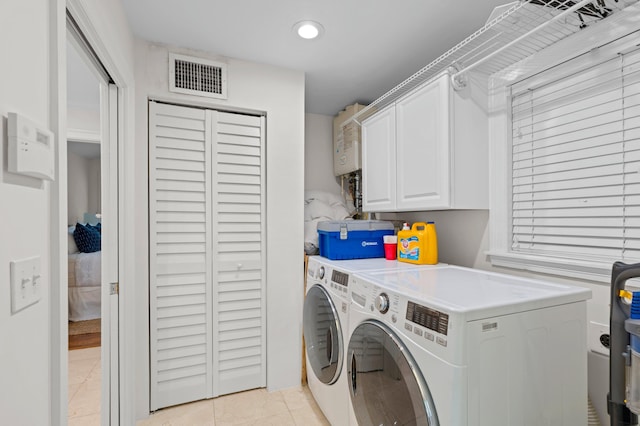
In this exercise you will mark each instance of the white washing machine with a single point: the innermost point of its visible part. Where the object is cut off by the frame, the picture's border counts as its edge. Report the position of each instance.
(325, 323)
(456, 346)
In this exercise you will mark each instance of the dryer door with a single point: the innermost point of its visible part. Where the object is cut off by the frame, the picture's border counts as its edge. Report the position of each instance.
(385, 384)
(322, 335)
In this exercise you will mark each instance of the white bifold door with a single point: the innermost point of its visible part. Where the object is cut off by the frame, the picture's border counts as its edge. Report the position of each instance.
(207, 259)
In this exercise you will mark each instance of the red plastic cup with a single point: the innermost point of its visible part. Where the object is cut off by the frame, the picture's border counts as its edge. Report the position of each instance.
(390, 247)
(390, 251)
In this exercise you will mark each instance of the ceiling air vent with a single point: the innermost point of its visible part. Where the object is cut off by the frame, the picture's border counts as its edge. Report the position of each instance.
(196, 76)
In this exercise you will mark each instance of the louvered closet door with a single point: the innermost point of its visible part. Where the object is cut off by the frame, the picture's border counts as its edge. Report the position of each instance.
(239, 258)
(180, 255)
(207, 262)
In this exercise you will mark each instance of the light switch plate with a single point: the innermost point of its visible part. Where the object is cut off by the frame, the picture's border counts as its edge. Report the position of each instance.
(26, 283)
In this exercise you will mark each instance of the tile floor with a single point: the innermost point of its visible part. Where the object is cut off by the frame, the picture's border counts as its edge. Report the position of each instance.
(292, 407)
(84, 387)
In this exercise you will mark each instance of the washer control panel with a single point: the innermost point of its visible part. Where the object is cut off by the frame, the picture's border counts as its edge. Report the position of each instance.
(426, 317)
(336, 281)
(427, 325)
(382, 303)
(339, 282)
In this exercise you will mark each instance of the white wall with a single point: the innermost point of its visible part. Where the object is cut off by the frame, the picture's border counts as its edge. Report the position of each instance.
(24, 213)
(84, 187)
(280, 94)
(462, 234)
(85, 119)
(33, 84)
(318, 154)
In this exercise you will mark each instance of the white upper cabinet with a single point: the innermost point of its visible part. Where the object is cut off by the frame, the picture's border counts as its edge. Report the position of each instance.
(379, 155)
(422, 147)
(436, 140)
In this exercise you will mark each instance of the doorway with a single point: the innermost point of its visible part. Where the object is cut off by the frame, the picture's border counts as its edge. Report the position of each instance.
(84, 253)
(92, 219)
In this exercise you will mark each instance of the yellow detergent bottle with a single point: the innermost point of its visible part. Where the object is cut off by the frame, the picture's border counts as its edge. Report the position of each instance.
(419, 244)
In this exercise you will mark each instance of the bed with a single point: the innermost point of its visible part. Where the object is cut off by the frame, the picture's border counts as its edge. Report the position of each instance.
(84, 282)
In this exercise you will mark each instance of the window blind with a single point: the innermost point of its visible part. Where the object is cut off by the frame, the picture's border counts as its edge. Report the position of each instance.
(576, 162)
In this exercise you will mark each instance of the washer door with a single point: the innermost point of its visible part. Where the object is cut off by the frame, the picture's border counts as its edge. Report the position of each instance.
(385, 384)
(322, 335)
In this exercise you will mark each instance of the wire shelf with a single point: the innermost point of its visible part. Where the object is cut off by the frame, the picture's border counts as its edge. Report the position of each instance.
(513, 32)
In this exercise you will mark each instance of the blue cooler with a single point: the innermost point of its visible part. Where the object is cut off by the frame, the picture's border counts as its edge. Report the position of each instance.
(353, 239)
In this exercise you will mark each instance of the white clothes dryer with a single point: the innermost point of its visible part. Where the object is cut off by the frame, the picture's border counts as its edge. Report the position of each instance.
(455, 346)
(325, 323)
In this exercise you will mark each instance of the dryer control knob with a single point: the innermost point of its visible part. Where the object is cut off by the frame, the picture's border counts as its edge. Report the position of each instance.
(321, 272)
(382, 303)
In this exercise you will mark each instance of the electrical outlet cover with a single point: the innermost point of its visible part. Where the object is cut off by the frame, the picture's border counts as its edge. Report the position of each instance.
(598, 337)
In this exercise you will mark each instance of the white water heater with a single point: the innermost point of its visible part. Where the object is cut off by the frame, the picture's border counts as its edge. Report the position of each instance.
(347, 146)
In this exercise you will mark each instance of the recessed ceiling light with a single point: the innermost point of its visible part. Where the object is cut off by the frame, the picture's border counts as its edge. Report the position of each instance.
(308, 29)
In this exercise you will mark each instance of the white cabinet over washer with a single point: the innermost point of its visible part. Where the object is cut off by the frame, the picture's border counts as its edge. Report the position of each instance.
(427, 151)
(379, 155)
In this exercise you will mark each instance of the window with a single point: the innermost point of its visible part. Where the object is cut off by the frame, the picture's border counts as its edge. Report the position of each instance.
(565, 157)
(576, 162)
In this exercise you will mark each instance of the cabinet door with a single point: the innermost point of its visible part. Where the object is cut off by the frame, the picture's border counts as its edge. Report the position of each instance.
(423, 148)
(379, 161)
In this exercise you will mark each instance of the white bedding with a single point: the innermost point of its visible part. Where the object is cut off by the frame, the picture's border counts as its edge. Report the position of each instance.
(320, 206)
(87, 269)
(84, 286)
